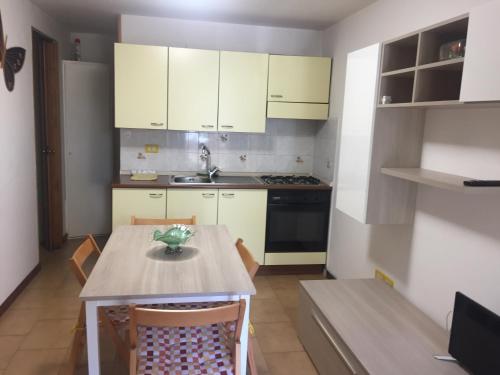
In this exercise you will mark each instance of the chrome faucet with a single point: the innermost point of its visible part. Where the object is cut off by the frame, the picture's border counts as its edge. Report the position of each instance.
(205, 155)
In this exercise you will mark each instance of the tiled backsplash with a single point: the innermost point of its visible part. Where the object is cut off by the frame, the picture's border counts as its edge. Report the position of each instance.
(286, 147)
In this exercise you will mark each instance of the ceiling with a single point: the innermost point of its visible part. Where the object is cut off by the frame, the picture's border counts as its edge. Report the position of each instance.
(100, 15)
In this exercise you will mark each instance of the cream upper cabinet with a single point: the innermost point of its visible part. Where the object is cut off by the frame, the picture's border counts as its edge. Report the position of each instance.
(183, 203)
(481, 77)
(244, 213)
(141, 74)
(145, 203)
(243, 92)
(193, 89)
(299, 79)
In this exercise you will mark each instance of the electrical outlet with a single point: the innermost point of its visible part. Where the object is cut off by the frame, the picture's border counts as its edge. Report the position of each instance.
(151, 149)
(382, 276)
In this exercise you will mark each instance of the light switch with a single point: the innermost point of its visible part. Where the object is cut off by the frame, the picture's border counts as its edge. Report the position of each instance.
(151, 149)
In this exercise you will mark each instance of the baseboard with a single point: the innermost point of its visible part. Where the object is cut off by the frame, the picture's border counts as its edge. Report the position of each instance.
(12, 297)
(329, 275)
(299, 269)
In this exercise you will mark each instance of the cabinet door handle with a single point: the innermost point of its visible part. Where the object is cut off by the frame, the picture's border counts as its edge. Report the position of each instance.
(208, 195)
(227, 126)
(208, 126)
(228, 195)
(276, 96)
(156, 124)
(333, 343)
(155, 195)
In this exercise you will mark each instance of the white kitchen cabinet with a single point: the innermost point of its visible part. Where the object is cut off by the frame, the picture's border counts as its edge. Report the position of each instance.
(141, 74)
(184, 203)
(193, 89)
(243, 92)
(373, 138)
(358, 118)
(144, 203)
(244, 213)
(481, 76)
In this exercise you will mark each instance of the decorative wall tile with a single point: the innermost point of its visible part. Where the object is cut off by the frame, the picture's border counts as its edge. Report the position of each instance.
(276, 151)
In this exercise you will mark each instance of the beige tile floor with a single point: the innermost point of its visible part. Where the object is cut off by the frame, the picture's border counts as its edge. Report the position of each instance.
(36, 331)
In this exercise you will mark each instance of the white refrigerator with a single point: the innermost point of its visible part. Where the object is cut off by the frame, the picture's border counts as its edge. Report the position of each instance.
(88, 147)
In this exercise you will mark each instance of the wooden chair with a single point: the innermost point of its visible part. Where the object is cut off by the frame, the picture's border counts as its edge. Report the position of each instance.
(137, 221)
(252, 267)
(110, 317)
(161, 341)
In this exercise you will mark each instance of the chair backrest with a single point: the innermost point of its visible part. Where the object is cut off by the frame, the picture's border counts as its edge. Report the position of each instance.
(81, 254)
(141, 221)
(234, 312)
(246, 256)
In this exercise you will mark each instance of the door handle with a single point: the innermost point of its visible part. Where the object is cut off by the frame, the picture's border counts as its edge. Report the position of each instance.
(155, 195)
(207, 126)
(156, 124)
(228, 195)
(333, 343)
(276, 96)
(227, 126)
(208, 195)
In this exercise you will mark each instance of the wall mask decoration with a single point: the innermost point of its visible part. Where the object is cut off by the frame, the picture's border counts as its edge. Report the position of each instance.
(11, 59)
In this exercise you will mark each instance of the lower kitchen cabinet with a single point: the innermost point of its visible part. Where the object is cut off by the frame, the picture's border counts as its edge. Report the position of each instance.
(148, 203)
(187, 202)
(244, 213)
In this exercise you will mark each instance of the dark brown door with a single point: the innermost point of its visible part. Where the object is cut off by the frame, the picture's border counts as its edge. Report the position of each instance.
(48, 132)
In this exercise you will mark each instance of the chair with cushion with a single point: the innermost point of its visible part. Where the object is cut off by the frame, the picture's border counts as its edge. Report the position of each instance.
(252, 267)
(113, 318)
(141, 221)
(199, 341)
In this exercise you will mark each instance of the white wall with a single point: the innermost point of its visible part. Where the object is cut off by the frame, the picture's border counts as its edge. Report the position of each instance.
(94, 47)
(18, 196)
(454, 243)
(215, 35)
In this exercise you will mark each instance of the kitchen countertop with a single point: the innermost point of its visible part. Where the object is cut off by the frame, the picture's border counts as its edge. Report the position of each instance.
(163, 182)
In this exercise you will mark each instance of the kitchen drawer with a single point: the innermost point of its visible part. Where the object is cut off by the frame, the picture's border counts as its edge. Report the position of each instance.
(143, 203)
(328, 352)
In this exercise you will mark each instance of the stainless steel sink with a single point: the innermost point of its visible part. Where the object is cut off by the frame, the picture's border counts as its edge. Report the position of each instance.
(190, 180)
(221, 180)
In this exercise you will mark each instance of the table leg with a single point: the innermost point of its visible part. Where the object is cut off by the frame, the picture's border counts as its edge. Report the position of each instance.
(244, 337)
(92, 321)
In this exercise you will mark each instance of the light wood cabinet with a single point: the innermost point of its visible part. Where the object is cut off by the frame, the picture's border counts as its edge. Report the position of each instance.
(481, 78)
(146, 203)
(300, 79)
(328, 352)
(187, 202)
(193, 89)
(243, 92)
(141, 74)
(244, 213)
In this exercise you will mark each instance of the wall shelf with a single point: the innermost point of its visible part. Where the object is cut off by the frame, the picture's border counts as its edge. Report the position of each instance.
(438, 179)
(434, 104)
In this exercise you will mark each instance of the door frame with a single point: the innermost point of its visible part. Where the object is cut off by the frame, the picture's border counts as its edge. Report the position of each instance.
(46, 98)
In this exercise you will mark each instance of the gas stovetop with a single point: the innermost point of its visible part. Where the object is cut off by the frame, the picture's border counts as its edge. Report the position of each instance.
(290, 180)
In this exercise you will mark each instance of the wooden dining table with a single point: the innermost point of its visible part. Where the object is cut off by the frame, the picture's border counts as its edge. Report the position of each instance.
(134, 269)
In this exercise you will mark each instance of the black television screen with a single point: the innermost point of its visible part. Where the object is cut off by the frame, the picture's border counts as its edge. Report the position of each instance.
(475, 337)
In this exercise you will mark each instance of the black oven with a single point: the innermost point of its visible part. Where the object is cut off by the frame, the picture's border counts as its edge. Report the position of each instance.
(297, 221)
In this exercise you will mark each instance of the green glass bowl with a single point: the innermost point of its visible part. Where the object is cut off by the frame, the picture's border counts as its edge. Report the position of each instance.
(174, 237)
